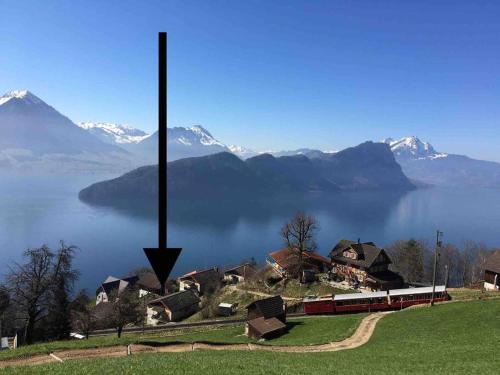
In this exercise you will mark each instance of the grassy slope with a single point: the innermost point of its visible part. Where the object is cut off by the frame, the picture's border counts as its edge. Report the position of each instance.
(303, 331)
(455, 338)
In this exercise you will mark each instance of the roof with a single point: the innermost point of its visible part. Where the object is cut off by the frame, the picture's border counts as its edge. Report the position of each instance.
(286, 257)
(367, 252)
(202, 277)
(245, 270)
(112, 283)
(269, 307)
(422, 290)
(493, 262)
(176, 301)
(265, 326)
(343, 297)
(149, 281)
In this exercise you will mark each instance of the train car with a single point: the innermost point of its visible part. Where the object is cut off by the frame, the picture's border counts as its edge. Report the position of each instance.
(318, 305)
(401, 298)
(358, 302)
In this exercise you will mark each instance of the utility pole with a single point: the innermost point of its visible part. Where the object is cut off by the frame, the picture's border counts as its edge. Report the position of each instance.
(439, 236)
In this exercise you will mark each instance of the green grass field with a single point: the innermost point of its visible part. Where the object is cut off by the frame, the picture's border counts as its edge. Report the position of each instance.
(302, 331)
(453, 338)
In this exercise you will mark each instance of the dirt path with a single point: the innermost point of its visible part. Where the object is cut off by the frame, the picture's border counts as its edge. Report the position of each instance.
(361, 336)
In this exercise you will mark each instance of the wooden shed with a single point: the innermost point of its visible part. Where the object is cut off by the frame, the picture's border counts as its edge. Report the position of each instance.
(177, 306)
(492, 271)
(266, 318)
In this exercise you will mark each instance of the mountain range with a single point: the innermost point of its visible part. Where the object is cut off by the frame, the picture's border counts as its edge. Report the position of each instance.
(35, 136)
(367, 166)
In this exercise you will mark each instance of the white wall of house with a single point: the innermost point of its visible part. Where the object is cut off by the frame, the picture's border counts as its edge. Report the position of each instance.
(101, 297)
(489, 286)
(150, 321)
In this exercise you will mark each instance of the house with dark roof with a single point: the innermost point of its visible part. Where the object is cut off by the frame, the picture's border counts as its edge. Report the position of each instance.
(266, 318)
(113, 286)
(175, 306)
(492, 271)
(206, 281)
(286, 261)
(238, 274)
(364, 264)
(145, 283)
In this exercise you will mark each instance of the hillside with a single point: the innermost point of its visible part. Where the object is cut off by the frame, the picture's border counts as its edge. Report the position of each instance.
(367, 166)
(451, 338)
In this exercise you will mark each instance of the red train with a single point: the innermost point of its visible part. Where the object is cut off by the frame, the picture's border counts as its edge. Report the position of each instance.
(375, 301)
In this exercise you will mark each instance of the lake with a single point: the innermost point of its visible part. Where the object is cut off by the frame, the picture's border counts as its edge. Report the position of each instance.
(37, 210)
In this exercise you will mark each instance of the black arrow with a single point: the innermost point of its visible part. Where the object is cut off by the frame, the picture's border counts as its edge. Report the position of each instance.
(162, 259)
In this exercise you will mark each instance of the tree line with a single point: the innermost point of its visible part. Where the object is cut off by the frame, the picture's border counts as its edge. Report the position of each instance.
(38, 301)
(457, 266)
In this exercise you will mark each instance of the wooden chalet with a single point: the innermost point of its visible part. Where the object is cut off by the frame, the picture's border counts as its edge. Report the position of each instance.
(266, 318)
(286, 261)
(364, 264)
(176, 306)
(492, 271)
(240, 273)
(208, 280)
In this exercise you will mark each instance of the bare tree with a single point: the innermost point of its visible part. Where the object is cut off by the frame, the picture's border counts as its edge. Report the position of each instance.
(64, 277)
(4, 304)
(82, 314)
(28, 284)
(299, 236)
(126, 309)
(408, 259)
(40, 288)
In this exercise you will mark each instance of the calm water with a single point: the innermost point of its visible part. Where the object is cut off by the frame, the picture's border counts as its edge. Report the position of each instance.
(39, 210)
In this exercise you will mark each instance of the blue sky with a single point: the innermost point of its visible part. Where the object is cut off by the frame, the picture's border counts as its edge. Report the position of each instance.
(269, 74)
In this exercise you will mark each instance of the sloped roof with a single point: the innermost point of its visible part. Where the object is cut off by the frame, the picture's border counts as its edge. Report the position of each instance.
(269, 307)
(244, 270)
(286, 257)
(205, 277)
(367, 253)
(493, 262)
(176, 301)
(149, 281)
(266, 326)
(112, 283)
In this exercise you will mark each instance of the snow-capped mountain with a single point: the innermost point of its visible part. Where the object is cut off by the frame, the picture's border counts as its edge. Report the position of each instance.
(183, 142)
(422, 163)
(412, 147)
(34, 135)
(117, 134)
(242, 152)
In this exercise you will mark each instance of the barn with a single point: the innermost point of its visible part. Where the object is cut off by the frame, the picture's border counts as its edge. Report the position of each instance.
(492, 271)
(266, 318)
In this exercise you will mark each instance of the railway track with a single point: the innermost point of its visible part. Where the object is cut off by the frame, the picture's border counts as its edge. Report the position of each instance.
(178, 326)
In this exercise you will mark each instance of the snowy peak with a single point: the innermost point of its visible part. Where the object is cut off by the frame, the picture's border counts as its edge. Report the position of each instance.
(119, 134)
(193, 136)
(412, 148)
(20, 95)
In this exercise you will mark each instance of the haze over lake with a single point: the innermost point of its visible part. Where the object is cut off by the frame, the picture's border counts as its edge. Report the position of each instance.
(37, 210)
